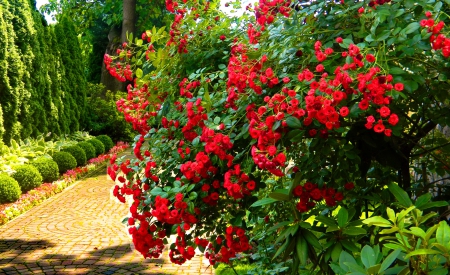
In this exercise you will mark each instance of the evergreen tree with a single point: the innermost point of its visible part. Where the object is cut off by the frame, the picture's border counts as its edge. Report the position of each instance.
(12, 89)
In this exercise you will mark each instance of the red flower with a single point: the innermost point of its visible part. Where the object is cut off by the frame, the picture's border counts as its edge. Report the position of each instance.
(251, 185)
(384, 111)
(379, 127)
(364, 104)
(361, 10)
(320, 68)
(339, 40)
(399, 87)
(393, 119)
(370, 58)
(222, 37)
(344, 111)
(298, 190)
(428, 14)
(349, 185)
(309, 186)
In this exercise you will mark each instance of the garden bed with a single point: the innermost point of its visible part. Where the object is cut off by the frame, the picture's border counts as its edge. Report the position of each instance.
(28, 200)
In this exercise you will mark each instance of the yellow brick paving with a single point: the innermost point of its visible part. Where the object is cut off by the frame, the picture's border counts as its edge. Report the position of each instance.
(79, 231)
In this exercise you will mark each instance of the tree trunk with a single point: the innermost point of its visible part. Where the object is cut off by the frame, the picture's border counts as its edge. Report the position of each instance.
(129, 19)
(116, 37)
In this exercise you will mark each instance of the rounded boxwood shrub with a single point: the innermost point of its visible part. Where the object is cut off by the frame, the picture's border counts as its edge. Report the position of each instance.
(27, 176)
(88, 149)
(107, 142)
(78, 153)
(9, 189)
(65, 161)
(98, 145)
(47, 167)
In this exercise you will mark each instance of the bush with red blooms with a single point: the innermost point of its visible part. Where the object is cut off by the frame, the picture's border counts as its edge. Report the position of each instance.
(253, 130)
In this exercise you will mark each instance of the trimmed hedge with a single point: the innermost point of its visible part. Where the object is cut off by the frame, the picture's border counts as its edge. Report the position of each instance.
(107, 142)
(88, 149)
(27, 176)
(65, 161)
(48, 168)
(78, 153)
(98, 145)
(9, 189)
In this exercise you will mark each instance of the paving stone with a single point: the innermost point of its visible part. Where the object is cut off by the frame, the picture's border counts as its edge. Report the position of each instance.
(79, 231)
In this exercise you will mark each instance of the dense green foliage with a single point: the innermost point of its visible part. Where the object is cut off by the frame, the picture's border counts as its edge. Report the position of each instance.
(78, 153)
(65, 161)
(107, 142)
(88, 148)
(103, 116)
(9, 189)
(42, 83)
(47, 167)
(98, 145)
(27, 176)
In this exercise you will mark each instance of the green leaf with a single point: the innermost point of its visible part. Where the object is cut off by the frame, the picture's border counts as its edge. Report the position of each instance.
(326, 220)
(281, 249)
(412, 27)
(377, 221)
(443, 234)
(433, 204)
(389, 260)
(345, 257)
(353, 231)
(349, 246)
(280, 195)
(396, 70)
(401, 196)
(336, 252)
(368, 256)
(222, 66)
(311, 238)
(302, 250)
(439, 271)
(139, 73)
(422, 251)
(342, 217)
(263, 202)
(417, 231)
(423, 199)
(293, 122)
(281, 224)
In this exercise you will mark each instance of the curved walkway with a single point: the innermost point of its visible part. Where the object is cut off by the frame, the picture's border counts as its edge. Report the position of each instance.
(79, 231)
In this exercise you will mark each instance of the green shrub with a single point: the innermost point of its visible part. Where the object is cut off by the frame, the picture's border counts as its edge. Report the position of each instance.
(98, 145)
(9, 189)
(27, 176)
(65, 161)
(47, 167)
(78, 153)
(107, 142)
(88, 148)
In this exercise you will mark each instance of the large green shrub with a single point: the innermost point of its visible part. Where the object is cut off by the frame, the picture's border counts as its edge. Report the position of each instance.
(98, 145)
(107, 142)
(78, 153)
(47, 167)
(103, 116)
(88, 148)
(27, 176)
(9, 189)
(65, 161)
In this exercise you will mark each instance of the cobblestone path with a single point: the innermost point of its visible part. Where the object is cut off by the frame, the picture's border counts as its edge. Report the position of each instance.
(79, 231)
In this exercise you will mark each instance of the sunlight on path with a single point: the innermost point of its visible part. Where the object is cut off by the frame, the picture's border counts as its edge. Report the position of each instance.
(79, 231)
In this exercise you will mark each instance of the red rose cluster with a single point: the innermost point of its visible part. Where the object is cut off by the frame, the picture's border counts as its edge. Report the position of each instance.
(310, 194)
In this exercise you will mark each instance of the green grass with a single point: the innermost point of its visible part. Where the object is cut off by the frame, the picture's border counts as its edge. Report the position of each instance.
(240, 269)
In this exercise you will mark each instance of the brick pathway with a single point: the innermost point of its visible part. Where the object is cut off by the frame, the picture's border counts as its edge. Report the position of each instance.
(79, 231)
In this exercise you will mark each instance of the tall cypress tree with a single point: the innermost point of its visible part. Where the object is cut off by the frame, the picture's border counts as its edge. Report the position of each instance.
(4, 81)
(74, 85)
(23, 25)
(13, 90)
